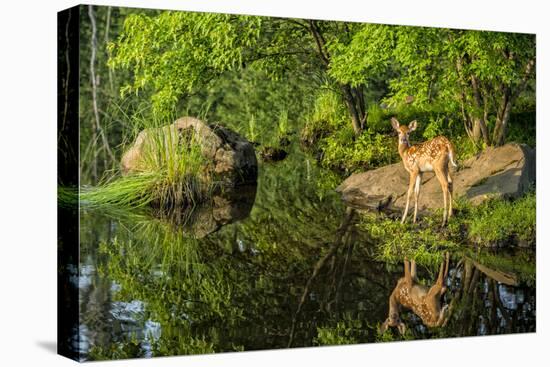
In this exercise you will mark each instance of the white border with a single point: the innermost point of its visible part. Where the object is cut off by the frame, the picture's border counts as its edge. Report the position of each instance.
(28, 180)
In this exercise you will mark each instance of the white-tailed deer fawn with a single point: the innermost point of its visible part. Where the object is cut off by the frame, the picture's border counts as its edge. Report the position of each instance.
(430, 156)
(423, 301)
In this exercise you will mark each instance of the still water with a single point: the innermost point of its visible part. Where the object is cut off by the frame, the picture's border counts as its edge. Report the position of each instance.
(278, 265)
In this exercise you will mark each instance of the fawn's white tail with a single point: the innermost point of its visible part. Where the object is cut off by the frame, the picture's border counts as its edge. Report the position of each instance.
(452, 154)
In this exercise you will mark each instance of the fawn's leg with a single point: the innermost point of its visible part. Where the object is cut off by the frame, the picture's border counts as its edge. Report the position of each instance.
(417, 183)
(407, 269)
(435, 290)
(450, 185)
(441, 275)
(412, 179)
(445, 188)
(445, 273)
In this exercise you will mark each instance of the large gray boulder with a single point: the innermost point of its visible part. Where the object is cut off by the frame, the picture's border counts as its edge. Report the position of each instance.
(230, 156)
(506, 171)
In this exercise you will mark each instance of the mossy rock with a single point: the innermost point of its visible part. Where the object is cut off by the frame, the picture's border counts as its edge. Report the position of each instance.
(228, 156)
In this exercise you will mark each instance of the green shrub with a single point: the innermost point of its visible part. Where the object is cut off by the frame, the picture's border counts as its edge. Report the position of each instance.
(349, 329)
(329, 108)
(339, 335)
(328, 117)
(367, 151)
(378, 119)
(500, 221)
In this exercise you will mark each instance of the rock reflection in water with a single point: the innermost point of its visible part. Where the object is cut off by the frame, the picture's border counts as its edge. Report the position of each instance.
(199, 221)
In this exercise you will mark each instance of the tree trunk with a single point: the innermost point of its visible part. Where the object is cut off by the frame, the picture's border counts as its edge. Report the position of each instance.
(361, 105)
(476, 130)
(503, 115)
(357, 118)
(479, 120)
(353, 97)
(501, 126)
(93, 78)
(472, 128)
(107, 40)
(505, 109)
(484, 129)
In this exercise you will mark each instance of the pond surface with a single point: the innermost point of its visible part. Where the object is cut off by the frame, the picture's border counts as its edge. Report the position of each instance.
(274, 266)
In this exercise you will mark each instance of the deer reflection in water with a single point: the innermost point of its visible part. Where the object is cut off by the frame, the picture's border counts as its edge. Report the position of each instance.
(423, 301)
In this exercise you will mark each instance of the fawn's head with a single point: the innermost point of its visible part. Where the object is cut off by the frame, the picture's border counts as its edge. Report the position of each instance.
(403, 130)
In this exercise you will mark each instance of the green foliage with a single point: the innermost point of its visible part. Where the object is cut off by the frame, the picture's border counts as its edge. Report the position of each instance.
(328, 131)
(131, 191)
(329, 109)
(215, 66)
(67, 196)
(367, 55)
(492, 223)
(94, 158)
(424, 243)
(252, 133)
(277, 106)
(501, 221)
(470, 73)
(176, 52)
(367, 151)
(342, 334)
(283, 124)
(124, 350)
(392, 335)
(378, 119)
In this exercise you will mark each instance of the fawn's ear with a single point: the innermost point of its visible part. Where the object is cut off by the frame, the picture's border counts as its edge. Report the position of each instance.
(395, 123)
(412, 125)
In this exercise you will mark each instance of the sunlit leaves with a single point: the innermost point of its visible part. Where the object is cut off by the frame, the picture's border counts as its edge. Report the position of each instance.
(175, 53)
(425, 62)
(367, 55)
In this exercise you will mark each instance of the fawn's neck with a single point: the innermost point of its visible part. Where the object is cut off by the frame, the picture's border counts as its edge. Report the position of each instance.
(393, 305)
(403, 148)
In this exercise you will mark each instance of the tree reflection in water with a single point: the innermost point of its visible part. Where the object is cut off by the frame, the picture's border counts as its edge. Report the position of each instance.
(295, 271)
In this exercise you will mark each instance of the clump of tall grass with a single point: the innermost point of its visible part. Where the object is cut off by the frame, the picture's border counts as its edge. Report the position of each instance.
(252, 133)
(327, 116)
(129, 191)
(282, 123)
(171, 171)
(67, 196)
